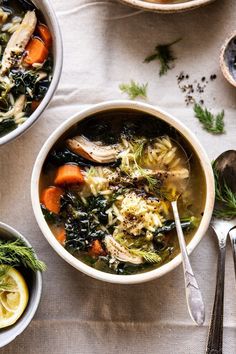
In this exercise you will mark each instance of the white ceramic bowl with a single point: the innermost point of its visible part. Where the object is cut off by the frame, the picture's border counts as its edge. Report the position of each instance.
(34, 282)
(140, 107)
(151, 5)
(46, 8)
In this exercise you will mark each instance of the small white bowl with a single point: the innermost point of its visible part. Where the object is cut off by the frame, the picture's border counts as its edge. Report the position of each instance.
(153, 111)
(151, 5)
(47, 10)
(34, 283)
(227, 59)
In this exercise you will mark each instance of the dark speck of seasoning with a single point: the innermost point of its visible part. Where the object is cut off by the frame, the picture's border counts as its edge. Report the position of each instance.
(213, 77)
(193, 91)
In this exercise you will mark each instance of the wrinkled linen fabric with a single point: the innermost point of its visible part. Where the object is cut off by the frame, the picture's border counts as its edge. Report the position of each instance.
(105, 44)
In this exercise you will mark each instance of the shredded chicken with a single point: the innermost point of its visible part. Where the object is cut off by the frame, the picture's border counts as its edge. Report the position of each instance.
(18, 41)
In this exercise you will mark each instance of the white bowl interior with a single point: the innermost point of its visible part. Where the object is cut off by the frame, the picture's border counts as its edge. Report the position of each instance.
(156, 112)
(46, 8)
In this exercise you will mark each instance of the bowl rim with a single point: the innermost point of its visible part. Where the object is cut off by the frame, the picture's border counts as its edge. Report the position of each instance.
(158, 113)
(58, 61)
(224, 67)
(38, 287)
(167, 8)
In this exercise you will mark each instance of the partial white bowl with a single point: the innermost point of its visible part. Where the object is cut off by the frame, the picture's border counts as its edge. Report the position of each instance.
(152, 5)
(47, 10)
(160, 114)
(34, 282)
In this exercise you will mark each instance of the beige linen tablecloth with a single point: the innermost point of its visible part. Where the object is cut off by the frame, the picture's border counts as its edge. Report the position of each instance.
(105, 44)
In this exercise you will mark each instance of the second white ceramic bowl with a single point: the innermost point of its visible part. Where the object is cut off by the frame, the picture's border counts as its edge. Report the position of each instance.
(155, 112)
(47, 10)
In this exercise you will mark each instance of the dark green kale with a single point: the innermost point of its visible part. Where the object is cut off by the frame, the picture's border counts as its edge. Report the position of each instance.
(6, 126)
(25, 82)
(99, 131)
(169, 225)
(59, 157)
(49, 216)
(82, 221)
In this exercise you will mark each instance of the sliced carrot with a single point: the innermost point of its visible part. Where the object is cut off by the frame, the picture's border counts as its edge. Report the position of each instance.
(36, 52)
(51, 197)
(45, 35)
(68, 174)
(96, 249)
(60, 234)
(34, 105)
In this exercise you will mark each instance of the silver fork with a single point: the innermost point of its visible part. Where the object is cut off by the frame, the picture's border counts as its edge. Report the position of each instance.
(215, 338)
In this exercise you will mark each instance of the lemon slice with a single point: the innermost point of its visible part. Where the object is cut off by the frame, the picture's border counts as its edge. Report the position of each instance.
(14, 296)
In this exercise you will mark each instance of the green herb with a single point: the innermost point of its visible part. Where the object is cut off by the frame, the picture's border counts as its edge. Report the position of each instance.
(226, 206)
(212, 123)
(149, 256)
(164, 54)
(16, 253)
(134, 90)
(3, 273)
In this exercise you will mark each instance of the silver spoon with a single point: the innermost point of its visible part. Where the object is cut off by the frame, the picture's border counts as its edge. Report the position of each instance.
(225, 166)
(194, 298)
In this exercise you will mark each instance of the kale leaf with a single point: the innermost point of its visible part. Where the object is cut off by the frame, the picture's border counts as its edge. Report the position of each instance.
(6, 126)
(59, 157)
(81, 225)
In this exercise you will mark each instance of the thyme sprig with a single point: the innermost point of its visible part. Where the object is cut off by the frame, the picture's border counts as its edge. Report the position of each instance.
(16, 253)
(225, 198)
(134, 90)
(212, 123)
(164, 54)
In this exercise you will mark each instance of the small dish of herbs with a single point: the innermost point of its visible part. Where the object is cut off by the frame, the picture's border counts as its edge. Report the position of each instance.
(20, 283)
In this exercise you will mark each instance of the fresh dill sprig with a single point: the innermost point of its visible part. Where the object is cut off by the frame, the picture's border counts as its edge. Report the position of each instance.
(16, 253)
(134, 90)
(226, 206)
(149, 256)
(212, 123)
(164, 54)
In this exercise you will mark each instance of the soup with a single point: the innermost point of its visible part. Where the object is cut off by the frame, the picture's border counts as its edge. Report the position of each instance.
(106, 188)
(26, 62)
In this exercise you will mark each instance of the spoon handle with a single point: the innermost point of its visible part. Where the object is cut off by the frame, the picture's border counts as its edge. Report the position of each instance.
(193, 294)
(215, 337)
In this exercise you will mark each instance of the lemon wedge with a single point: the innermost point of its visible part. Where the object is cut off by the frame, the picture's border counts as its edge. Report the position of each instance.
(14, 296)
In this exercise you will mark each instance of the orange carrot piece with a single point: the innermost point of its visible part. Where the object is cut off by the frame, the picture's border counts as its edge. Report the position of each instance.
(45, 35)
(61, 235)
(96, 249)
(34, 105)
(51, 197)
(36, 52)
(68, 174)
